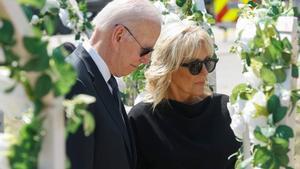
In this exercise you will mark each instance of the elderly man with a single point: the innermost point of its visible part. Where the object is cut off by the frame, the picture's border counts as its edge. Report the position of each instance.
(124, 36)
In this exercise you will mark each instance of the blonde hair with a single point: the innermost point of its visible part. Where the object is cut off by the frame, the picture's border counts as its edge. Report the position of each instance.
(120, 11)
(178, 43)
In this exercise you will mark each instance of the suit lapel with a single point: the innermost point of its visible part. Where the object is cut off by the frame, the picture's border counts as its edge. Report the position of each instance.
(106, 97)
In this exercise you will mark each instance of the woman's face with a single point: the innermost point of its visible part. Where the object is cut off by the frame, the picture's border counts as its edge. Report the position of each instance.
(184, 85)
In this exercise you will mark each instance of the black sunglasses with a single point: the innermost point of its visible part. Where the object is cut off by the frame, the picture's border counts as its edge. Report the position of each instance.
(144, 51)
(195, 66)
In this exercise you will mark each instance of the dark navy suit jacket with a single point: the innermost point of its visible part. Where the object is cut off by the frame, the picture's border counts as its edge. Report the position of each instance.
(111, 146)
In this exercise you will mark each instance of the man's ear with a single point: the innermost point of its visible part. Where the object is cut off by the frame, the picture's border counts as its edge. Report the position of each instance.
(117, 34)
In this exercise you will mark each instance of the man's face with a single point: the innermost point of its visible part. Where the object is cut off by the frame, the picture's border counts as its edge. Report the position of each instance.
(136, 47)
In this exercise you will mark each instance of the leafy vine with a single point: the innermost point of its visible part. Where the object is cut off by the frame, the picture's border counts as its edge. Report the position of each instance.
(258, 107)
(55, 77)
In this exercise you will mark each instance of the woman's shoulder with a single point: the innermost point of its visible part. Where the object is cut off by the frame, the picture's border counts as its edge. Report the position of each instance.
(222, 98)
(140, 109)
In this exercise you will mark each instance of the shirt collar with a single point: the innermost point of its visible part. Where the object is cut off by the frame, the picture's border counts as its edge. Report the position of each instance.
(100, 63)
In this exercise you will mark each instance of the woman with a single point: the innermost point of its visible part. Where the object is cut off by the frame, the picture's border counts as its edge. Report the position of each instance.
(181, 124)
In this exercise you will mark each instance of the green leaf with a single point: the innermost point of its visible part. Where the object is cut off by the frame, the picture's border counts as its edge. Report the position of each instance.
(252, 4)
(10, 56)
(273, 52)
(280, 145)
(260, 110)
(262, 157)
(236, 91)
(180, 3)
(209, 19)
(280, 75)
(88, 124)
(43, 86)
(268, 76)
(50, 24)
(277, 44)
(283, 159)
(34, 3)
(37, 64)
(284, 131)
(35, 46)
(279, 114)
(295, 71)
(286, 43)
(7, 32)
(273, 104)
(275, 10)
(286, 56)
(258, 135)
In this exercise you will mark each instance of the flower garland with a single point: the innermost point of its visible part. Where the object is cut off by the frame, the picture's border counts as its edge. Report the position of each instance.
(259, 107)
(54, 79)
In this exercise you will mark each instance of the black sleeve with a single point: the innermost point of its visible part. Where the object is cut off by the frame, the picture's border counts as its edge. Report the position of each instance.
(134, 117)
(80, 149)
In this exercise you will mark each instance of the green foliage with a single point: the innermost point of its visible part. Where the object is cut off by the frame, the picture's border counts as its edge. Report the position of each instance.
(42, 86)
(180, 3)
(259, 135)
(7, 32)
(269, 56)
(284, 131)
(274, 107)
(268, 76)
(39, 4)
(22, 154)
(77, 114)
(243, 91)
(53, 75)
(64, 73)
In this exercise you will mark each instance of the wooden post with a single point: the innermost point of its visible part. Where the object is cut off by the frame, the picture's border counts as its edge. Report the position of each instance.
(52, 155)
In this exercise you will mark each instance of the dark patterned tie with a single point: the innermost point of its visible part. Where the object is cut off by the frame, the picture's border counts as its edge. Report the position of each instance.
(115, 90)
(116, 94)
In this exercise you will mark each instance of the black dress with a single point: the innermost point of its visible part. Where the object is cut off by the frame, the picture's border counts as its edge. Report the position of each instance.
(181, 136)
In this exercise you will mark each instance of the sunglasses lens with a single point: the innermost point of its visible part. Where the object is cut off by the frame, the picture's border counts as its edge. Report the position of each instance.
(210, 65)
(145, 51)
(195, 69)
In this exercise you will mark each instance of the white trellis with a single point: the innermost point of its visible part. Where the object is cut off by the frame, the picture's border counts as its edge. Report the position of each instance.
(52, 155)
(287, 27)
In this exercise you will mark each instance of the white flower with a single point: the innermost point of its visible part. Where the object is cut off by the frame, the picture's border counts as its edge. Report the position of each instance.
(237, 107)
(285, 98)
(252, 79)
(232, 109)
(64, 17)
(249, 111)
(259, 98)
(171, 17)
(238, 125)
(35, 20)
(160, 6)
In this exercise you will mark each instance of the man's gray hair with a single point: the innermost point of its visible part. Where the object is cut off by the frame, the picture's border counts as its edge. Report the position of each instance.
(122, 11)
